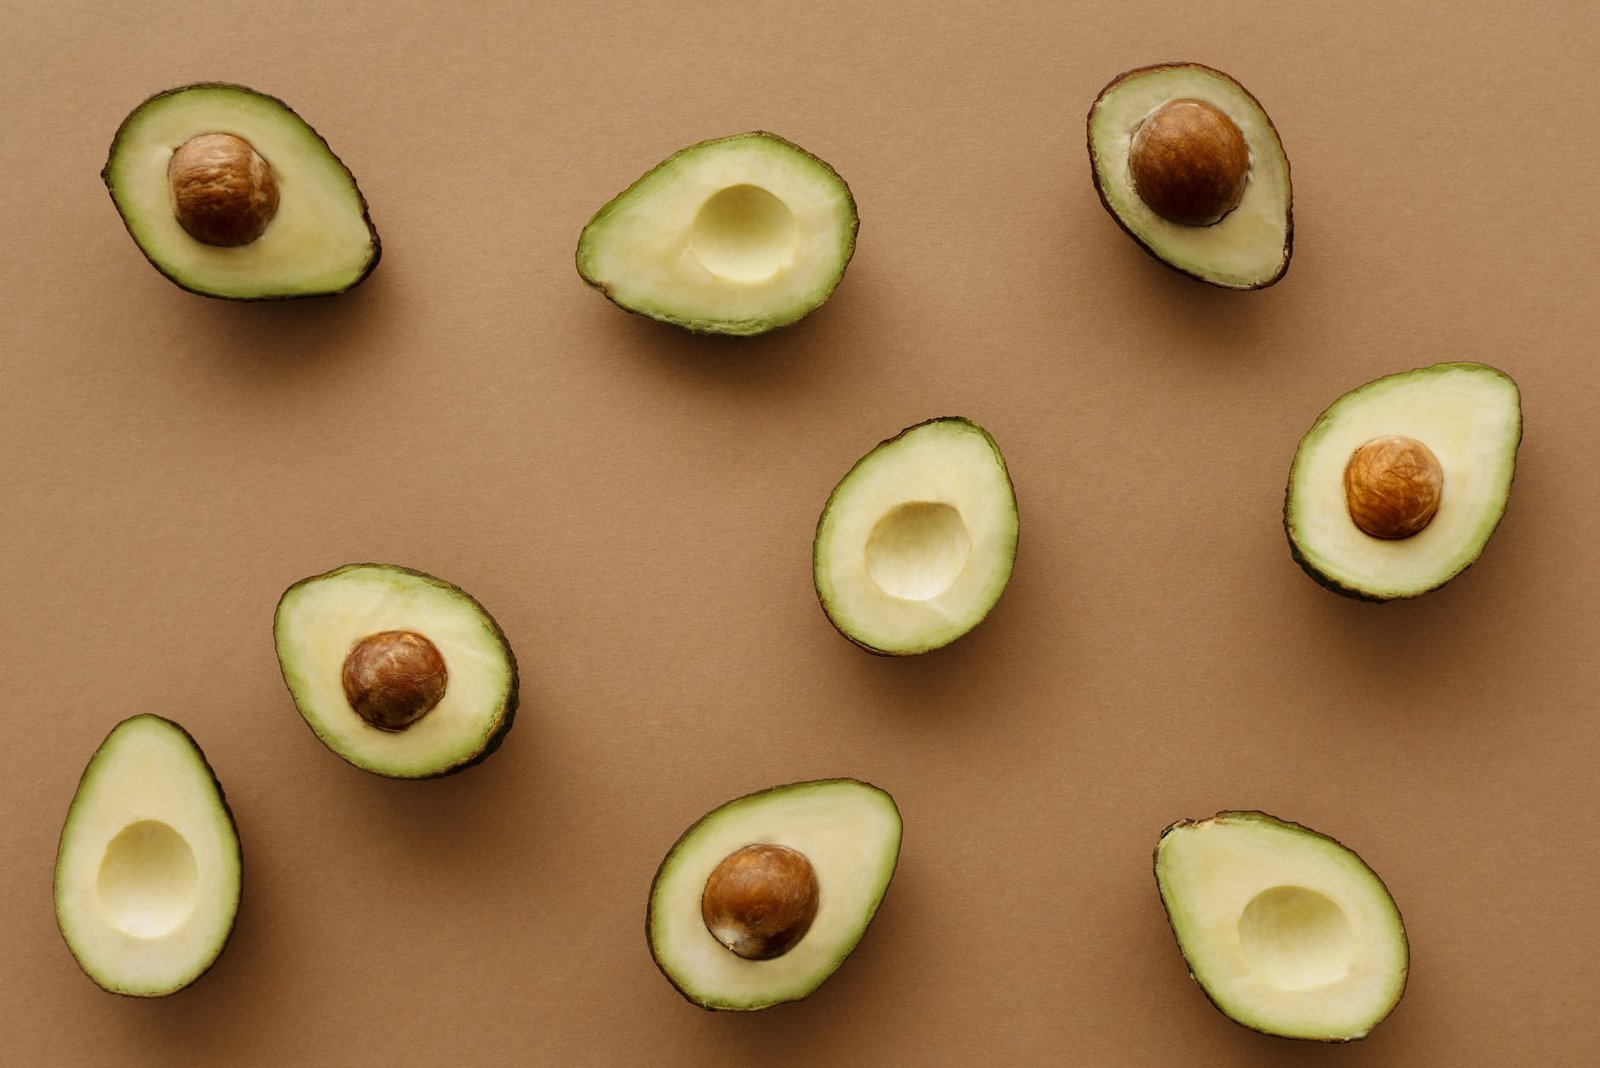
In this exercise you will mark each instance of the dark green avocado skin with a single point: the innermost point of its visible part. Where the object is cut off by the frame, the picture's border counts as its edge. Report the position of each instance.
(513, 695)
(695, 326)
(227, 810)
(1256, 814)
(366, 215)
(1355, 593)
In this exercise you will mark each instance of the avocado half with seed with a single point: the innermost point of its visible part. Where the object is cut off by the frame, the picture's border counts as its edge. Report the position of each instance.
(400, 673)
(764, 897)
(1188, 163)
(230, 194)
(916, 543)
(1398, 485)
(148, 872)
(738, 235)
(1286, 930)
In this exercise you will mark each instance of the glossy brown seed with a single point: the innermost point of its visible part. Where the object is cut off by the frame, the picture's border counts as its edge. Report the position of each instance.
(394, 678)
(1392, 486)
(223, 192)
(1189, 162)
(760, 900)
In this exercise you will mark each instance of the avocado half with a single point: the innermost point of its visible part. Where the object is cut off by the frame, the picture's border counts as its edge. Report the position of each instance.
(320, 239)
(1250, 247)
(148, 871)
(848, 830)
(1470, 416)
(1286, 930)
(916, 543)
(738, 235)
(324, 622)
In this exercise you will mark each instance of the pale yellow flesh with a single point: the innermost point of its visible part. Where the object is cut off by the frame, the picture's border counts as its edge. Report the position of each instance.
(1287, 931)
(849, 831)
(1470, 416)
(1246, 247)
(319, 621)
(318, 241)
(745, 232)
(917, 542)
(147, 881)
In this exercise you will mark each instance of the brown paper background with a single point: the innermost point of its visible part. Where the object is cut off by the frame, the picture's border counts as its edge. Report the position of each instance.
(636, 505)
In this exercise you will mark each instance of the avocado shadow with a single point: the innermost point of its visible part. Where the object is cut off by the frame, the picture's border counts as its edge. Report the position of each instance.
(786, 358)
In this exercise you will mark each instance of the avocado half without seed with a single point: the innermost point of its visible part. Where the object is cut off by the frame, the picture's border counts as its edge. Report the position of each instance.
(1397, 487)
(230, 194)
(1187, 162)
(1287, 931)
(763, 898)
(399, 673)
(738, 235)
(917, 541)
(147, 879)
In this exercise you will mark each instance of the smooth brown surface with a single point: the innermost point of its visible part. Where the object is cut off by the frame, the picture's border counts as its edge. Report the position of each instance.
(1392, 486)
(638, 506)
(1189, 162)
(393, 678)
(760, 900)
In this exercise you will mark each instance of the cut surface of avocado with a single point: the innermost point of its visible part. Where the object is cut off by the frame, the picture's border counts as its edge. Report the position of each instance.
(148, 872)
(399, 673)
(916, 543)
(1250, 246)
(319, 239)
(848, 831)
(1468, 416)
(738, 235)
(1286, 930)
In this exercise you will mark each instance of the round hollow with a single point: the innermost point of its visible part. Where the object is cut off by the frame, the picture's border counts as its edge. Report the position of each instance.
(148, 883)
(1297, 938)
(917, 550)
(760, 900)
(744, 234)
(223, 192)
(1189, 162)
(394, 678)
(1392, 486)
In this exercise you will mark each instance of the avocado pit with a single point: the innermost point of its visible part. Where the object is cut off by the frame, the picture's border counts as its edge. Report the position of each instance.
(393, 678)
(1392, 486)
(1189, 162)
(223, 192)
(760, 900)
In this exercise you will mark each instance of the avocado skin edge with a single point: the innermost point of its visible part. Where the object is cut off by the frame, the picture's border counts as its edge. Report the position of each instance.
(738, 328)
(1094, 172)
(1355, 593)
(994, 447)
(227, 810)
(366, 215)
(649, 927)
(1257, 814)
(508, 712)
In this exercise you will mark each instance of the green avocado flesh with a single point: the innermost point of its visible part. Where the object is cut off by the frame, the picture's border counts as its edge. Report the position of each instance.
(917, 541)
(1470, 416)
(1287, 931)
(848, 830)
(148, 871)
(320, 241)
(1248, 248)
(739, 235)
(321, 619)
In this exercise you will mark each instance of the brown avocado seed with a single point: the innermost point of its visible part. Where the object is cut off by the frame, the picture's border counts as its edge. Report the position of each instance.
(393, 678)
(1392, 486)
(1189, 162)
(760, 900)
(223, 192)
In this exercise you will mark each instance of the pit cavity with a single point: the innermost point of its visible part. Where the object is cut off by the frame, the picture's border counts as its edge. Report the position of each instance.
(148, 883)
(744, 234)
(917, 550)
(1297, 938)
